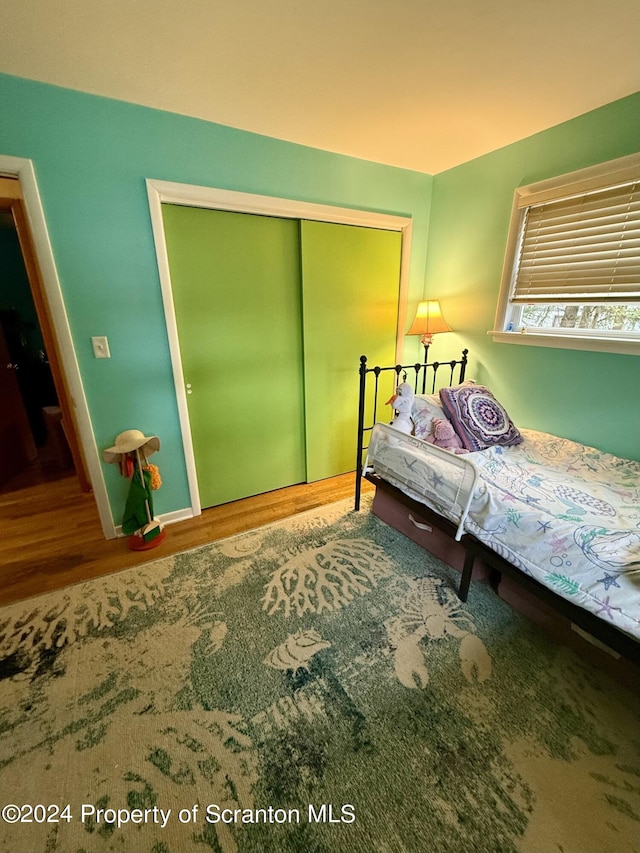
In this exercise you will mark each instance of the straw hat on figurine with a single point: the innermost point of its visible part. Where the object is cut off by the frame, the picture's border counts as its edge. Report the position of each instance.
(128, 441)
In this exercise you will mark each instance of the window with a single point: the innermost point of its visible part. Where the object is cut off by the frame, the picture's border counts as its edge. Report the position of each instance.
(572, 268)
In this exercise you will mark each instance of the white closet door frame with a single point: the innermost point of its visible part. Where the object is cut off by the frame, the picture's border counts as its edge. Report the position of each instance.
(167, 192)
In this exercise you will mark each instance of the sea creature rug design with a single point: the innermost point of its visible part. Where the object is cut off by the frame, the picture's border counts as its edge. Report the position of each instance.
(315, 685)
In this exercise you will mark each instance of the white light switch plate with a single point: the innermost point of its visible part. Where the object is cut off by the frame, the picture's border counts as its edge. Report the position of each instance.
(100, 347)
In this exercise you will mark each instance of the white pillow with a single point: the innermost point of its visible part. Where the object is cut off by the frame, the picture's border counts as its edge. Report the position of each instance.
(425, 408)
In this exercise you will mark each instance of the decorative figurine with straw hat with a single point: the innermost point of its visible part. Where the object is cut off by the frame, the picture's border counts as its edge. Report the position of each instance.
(131, 448)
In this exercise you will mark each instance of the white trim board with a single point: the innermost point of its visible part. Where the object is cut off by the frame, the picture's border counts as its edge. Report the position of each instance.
(17, 167)
(167, 192)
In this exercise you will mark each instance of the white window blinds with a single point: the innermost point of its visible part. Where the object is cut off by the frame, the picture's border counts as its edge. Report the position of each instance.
(582, 248)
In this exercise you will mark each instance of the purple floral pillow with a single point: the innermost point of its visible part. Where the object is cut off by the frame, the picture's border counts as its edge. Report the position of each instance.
(478, 417)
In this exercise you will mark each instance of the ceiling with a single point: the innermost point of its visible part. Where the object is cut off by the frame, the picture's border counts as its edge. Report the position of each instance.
(420, 84)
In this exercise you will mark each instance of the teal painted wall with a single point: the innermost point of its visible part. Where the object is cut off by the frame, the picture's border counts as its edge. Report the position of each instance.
(590, 397)
(91, 156)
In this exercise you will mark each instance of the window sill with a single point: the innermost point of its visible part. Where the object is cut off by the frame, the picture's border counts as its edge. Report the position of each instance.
(623, 346)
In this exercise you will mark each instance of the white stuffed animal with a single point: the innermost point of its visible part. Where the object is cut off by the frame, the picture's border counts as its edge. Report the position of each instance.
(402, 401)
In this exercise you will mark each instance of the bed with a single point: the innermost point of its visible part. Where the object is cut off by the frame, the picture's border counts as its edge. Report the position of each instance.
(559, 518)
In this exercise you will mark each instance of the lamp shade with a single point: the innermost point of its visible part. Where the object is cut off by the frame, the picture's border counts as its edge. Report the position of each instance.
(428, 319)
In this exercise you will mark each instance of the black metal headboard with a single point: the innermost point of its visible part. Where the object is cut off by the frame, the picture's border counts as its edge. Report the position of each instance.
(368, 414)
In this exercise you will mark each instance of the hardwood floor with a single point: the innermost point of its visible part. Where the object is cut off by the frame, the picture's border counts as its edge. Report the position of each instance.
(50, 534)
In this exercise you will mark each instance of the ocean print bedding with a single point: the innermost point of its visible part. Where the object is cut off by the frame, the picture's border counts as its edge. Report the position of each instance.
(562, 512)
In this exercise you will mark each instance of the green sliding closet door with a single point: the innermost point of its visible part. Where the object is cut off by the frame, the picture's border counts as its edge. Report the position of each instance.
(236, 290)
(351, 281)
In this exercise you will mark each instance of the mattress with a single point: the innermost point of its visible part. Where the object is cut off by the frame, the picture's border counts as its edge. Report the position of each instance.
(562, 512)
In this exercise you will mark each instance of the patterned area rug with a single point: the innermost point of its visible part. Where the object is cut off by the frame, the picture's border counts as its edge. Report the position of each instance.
(311, 686)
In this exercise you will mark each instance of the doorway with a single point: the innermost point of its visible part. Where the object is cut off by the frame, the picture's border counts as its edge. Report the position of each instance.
(39, 438)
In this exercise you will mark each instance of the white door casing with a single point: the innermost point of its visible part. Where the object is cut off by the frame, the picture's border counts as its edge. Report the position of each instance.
(160, 192)
(17, 167)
